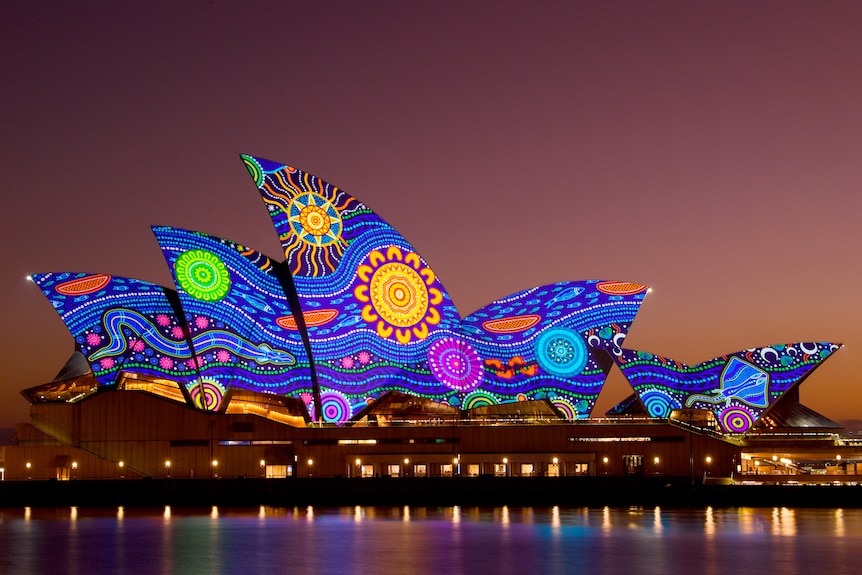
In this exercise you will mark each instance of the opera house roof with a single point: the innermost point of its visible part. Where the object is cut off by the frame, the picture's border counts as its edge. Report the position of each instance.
(351, 313)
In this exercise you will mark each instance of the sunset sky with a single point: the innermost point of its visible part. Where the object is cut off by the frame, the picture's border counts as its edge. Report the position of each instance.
(712, 150)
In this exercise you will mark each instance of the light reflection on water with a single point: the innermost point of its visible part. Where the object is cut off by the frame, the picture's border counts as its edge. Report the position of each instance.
(452, 540)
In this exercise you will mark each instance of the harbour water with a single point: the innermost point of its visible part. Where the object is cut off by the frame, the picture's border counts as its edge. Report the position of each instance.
(450, 540)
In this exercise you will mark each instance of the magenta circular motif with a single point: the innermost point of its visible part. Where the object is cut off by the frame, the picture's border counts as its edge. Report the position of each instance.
(455, 364)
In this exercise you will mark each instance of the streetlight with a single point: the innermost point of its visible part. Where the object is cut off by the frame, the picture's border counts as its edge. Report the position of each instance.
(74, 469)
(28, 466)
(310, 463)
(406, 463)
(263, 468)
(656, 460)
(215, 468)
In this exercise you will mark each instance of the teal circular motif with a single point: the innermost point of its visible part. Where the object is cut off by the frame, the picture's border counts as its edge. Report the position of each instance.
(561, 351)
(658, 403)
(202, 275)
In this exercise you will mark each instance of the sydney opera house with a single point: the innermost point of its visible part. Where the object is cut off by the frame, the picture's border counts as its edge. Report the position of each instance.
(348, 358)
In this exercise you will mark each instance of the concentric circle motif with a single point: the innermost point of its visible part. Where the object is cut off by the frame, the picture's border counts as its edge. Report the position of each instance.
(561, 351)
(479, 399)
(657, 403)
(202, 275)
(398, 294)
(314, 219)
(213, 393)
(401, 294)
(335, 407)
(736, 419)
(565, 407)
(455, 364)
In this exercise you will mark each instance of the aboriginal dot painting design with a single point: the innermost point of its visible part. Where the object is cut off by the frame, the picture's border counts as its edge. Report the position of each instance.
(455, 363)
(548, 342)
(202, 275)
(120, 324)
(738, 388)
(387, 323)
(377, 318)
(315, 221)
(243, 337)
(335, 406)
(400, 295)
(206, 394)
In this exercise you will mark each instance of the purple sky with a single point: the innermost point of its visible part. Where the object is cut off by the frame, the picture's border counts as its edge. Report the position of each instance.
(708, 149)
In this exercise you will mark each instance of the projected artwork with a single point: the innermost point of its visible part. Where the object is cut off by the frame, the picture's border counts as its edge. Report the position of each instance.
(354, 312)
(120, 324)
(385, 322)
(238, 316)
(738, 388)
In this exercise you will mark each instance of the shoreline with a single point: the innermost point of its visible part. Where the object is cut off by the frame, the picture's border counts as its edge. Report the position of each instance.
(422, 492)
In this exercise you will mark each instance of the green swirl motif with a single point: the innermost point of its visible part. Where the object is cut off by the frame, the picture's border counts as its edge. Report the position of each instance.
(202, 275)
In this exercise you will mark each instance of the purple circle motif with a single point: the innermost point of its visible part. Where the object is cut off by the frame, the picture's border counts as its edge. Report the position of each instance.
(736, 419)
(335, 407)
(455, 364)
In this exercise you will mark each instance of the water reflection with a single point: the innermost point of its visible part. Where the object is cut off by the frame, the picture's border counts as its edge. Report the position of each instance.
(783, 521)
(709, 523)
(453, 540)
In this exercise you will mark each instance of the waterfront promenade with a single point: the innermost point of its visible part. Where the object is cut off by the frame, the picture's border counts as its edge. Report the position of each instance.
(424, 491)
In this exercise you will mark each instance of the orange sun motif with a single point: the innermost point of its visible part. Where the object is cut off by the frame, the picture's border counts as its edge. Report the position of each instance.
(398, 293)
